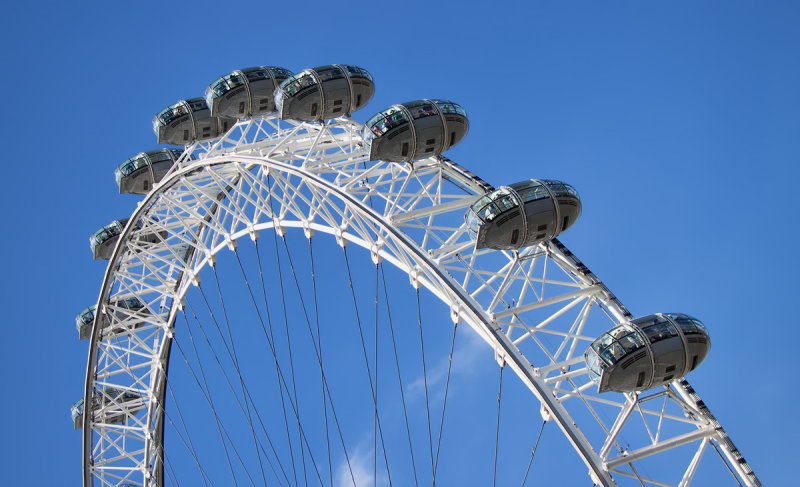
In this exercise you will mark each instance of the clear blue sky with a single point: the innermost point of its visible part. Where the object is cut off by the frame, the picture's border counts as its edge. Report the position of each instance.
(677, 122)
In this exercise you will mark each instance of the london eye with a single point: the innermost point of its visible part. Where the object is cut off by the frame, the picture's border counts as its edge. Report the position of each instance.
(221, 310)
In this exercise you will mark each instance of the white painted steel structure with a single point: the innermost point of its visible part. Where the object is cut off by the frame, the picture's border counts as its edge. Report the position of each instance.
(538, 309)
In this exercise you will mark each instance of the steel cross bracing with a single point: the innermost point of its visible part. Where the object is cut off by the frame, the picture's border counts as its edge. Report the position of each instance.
(538, 309)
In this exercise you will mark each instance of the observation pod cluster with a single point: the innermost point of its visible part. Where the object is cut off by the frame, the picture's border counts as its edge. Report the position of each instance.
(522, 214)
(141, 172)
(113, 402)
(647, 352)
(188, 121)
(325, 92)
(122, 309)
(415, 130)
(244, 93)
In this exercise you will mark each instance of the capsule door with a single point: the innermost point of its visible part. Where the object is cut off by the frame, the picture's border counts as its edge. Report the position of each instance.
(262, 96)
(541, 220)
(335, 92)
(429, 129)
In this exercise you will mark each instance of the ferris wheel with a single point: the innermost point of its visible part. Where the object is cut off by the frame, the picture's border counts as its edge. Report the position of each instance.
(221, 311)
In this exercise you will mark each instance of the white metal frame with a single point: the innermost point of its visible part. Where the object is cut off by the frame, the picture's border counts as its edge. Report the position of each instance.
(538, 308)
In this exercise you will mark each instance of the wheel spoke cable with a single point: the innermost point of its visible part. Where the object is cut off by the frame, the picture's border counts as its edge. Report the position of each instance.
(497, 429)
(239, 372)
(321, 371)
(238, 402)
(444, 402)
(399, 378)
(271, 341)
(533, 452)
(366, 361)
(425, 382)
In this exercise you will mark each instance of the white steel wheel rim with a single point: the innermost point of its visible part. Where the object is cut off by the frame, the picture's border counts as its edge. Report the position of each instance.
(324, 166)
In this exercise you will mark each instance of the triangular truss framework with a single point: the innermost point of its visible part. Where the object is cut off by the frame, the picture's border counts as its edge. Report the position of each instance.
(538, 309)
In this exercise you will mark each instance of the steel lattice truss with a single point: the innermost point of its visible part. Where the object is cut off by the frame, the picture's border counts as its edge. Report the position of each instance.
(538, 309)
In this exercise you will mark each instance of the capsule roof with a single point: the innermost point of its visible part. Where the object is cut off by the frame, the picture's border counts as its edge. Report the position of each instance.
(523, 214)
(324, 92)
(176, 111)
(153, 164)
(252, 87)
(415, 130)
(107, 232)
(647, 352)
(187, 121)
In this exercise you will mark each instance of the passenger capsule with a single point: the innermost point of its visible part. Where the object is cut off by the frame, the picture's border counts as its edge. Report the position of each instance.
(523, 214)
(123, 310)
(141, 172)
(113, 402)
(246, 92)
(188, 121)
(415, 130)
(103, 241)
(647, 352)
(322, 93)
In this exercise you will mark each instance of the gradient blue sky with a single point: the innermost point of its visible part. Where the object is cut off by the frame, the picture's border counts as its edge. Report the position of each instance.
(677, 122)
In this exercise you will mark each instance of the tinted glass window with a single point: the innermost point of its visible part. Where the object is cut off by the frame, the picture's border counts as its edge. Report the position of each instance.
(280, 73)
(297, 82)
(326, 73)
(661, 330)
(420, 109)
(356, 72)
(387, 120)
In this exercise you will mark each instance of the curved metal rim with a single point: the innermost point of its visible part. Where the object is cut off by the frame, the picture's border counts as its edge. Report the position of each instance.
(479, 319)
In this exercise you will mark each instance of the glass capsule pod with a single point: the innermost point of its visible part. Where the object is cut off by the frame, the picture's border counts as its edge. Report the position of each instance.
(647, 352)
(141, 172)
(122, 310)
(116, 403)
(522, 214)
(322, 93)
(102, 241)
(188, 121)
(414, 130)
(244, 93)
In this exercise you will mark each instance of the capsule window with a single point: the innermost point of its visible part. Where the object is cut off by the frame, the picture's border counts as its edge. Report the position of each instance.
(613, 353)
(659, 331)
